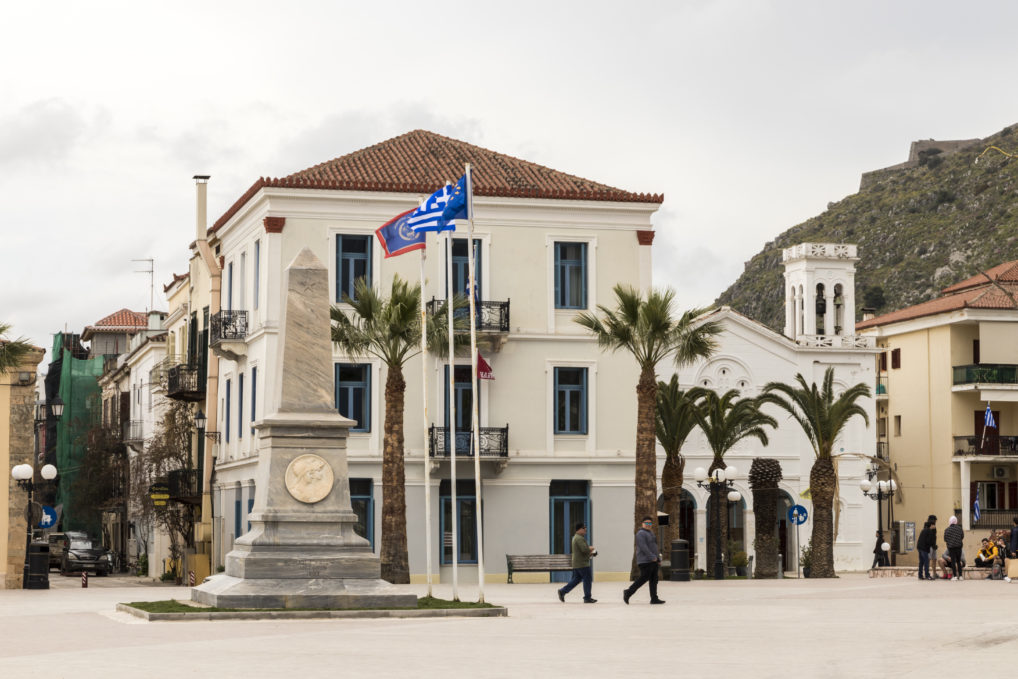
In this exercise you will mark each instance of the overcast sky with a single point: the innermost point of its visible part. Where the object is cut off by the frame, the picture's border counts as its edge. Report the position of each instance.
(749, 116)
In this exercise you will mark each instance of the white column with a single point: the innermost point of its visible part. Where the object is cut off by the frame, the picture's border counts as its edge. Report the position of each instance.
(966, 501)
(701, 538)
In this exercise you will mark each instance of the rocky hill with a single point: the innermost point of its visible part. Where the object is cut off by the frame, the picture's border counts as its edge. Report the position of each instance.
(920, 226)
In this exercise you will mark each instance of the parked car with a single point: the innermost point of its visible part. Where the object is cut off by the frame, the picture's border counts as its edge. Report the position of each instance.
(84, 554)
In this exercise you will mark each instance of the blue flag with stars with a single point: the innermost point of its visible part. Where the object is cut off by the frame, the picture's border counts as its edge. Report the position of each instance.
(458, 205)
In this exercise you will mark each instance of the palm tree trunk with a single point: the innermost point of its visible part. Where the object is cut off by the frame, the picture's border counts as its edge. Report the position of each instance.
(766, 540)
(395, 562)
(671, 490)
(821, 487)
(646, 455)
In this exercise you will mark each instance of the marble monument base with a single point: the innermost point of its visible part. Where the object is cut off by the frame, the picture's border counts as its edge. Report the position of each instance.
(227, 591)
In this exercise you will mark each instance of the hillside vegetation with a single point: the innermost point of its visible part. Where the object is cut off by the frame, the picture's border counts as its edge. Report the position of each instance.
(919, 229)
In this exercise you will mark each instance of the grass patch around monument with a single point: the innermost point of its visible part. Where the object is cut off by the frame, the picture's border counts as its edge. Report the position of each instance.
(172, 606)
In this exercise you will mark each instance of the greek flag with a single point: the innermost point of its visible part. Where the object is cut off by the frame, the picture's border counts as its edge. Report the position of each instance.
(988, 418)
(428, 217)
(975, 506)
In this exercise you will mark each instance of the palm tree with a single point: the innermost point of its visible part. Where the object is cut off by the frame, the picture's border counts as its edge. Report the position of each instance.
(764, 475)
(675, 420)
(725, 420)
(822, 417)
(390, 329)
(648, 329)
(12, 352)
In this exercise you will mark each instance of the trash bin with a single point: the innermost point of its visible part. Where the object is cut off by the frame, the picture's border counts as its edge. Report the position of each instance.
(680, 561)
(38, 566)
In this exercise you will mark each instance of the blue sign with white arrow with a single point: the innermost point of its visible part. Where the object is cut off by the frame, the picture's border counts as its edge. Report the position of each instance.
(49, 517)
(797, 514)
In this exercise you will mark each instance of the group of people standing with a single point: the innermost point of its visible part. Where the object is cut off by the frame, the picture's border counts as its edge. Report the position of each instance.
(991, 553)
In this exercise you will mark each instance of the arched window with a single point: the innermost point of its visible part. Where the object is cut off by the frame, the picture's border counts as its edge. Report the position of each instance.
(802, 313)
(821, 309)
(839, 309)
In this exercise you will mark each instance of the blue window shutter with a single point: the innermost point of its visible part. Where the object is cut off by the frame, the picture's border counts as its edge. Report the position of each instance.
(226, 415)
(254, 395)
(250, 504)
(236, 518)
(240, 406)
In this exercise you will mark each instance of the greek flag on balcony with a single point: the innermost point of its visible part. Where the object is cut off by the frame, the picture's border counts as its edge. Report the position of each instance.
(988, 418)
(975, 506)
(428, 217)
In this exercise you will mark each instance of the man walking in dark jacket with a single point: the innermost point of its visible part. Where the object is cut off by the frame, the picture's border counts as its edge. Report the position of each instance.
(647, 558)
(954, 537)
(926, 542)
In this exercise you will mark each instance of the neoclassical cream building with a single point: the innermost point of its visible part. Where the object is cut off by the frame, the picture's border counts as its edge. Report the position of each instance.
(558, 420)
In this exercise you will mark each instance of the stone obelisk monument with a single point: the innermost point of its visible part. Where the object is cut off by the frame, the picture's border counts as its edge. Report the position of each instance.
(302, 551)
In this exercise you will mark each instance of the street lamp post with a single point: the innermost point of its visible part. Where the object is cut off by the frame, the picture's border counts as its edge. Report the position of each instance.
(717, 483)
(24, 476)
(880, 491)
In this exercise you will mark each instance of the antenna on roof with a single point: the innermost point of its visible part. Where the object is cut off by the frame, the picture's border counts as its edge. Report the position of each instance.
(151, 280)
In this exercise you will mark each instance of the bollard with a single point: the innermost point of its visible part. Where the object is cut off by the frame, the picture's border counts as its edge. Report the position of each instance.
(84, 579)
(190, 578)
(781, 565)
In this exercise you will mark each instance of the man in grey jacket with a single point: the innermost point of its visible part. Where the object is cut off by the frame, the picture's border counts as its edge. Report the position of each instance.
(647, 558)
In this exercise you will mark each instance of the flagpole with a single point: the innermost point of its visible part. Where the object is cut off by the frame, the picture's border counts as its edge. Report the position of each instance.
(450, 439)
(424, 401)
(475, 416)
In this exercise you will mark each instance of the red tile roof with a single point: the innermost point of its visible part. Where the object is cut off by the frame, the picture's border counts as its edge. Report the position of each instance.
(968, 295)
(177, 277)
(421, 161)
(1006, 272)
(124, 320)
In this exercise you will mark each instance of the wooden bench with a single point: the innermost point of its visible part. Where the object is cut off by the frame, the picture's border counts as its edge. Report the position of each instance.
(537, 563)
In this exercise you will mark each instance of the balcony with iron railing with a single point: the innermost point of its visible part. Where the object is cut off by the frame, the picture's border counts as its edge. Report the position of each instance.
(990, 445)
(185, 486)
(881, 390)
(157, 375)
(986, 373)
(134, 431)
(492, 317)
(184, 383)
(227, 334)
(227, 326)
(492, 444)
(882, 450)
(994, 518)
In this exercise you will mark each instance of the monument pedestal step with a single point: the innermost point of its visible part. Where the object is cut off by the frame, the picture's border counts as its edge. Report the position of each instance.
(226, 591)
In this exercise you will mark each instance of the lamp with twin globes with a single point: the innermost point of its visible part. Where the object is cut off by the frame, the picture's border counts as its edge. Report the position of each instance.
(718, 481)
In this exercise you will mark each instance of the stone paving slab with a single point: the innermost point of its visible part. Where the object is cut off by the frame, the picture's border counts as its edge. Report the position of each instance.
(845, 627)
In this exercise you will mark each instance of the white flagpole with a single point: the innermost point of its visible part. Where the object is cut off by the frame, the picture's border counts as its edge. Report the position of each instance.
(475, 416)
(450, 438)
(424, 401)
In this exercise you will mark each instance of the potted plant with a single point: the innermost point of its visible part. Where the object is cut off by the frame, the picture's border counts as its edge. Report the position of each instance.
(698, 574)
(806, 558)
(740, 560)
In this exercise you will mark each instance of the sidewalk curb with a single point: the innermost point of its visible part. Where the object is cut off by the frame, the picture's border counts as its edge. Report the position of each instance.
(496, 612)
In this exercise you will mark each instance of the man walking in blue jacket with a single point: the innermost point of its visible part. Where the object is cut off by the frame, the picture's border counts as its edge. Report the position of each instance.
(647, 559)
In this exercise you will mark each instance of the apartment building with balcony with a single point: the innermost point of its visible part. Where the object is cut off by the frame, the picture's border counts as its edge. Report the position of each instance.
(941, 363)
(558, 420)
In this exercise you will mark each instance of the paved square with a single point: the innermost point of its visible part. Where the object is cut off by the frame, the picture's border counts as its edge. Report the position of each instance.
(849, 627)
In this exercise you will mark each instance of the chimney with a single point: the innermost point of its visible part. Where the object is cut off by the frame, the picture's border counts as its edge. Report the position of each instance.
(201, 182)
(868, 313)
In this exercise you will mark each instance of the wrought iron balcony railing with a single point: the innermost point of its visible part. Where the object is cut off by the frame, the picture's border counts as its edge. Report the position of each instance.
(882, 450)
(986, 374)
(995, 518)
(493, 442)
(881, 390)
(991, 445)
(134, 431)
(491, 316)
(185, 486)
(227, 326)
(183, 383)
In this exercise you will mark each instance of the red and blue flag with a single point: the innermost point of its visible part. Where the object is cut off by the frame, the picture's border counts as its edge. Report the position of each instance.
(397, 237)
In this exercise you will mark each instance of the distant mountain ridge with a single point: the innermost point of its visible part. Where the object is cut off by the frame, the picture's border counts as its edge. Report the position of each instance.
(921, 226)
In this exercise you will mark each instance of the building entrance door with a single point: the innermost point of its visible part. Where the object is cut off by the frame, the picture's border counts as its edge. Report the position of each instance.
(566, 512)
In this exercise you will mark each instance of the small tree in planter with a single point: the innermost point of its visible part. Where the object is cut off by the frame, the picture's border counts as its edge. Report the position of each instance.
(806, 558)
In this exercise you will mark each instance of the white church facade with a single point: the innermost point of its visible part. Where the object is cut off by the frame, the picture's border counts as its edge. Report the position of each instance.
(819, 333)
